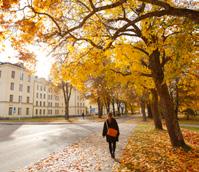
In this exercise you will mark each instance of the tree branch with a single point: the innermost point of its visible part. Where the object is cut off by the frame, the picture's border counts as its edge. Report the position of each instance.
(121, 73)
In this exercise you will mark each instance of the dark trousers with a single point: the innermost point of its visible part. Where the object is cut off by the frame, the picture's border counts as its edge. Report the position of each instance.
(112, 146)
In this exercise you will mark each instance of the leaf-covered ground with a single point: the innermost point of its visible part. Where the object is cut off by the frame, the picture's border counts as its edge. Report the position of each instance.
(90, 154)
(149, 150)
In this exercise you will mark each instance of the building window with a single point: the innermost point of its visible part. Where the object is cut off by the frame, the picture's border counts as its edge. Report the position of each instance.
(21, 75)
(11, 98)
(50, 112)
(27, 111)
(37, 95)
(41, 88)
(40, 111)
(44, 104)
(13, 74)
(40, 96)
(12, 86)
(10, 111)
(20, 99)
(20, 87)
(28, 89)
(28, 99)
(19, 111)
(44, 111)
(40, 103)
(44, 96)
(56, 112)
(36, 111)
(36, 103)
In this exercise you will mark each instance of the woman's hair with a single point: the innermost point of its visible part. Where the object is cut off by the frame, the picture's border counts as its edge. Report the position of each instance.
(110, 114)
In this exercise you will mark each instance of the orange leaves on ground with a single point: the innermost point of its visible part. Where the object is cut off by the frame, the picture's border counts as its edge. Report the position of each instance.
(192, 137)
(150, 150)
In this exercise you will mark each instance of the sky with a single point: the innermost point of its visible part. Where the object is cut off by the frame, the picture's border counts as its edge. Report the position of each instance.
(43, 64)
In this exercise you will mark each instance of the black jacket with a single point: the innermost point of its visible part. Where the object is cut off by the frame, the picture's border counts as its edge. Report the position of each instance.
(114, 125)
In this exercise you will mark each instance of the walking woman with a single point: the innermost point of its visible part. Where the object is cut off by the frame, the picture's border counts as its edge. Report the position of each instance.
(111, 131)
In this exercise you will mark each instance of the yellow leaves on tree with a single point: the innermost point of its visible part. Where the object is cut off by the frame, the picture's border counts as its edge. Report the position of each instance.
(42, 5)
(6, 4)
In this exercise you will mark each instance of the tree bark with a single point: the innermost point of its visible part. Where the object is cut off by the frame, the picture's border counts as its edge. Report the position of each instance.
(113, 106)
(99, 107)
(177, 99)
(118, 107)
(142, 105)
(166, 103)
(66, 88)
(108, 103)
(67, 110)
(149, 111)
(126, 108)
(155, 111)
(132, 109)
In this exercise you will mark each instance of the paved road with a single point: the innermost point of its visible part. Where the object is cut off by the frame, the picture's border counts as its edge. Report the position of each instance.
(21, 145)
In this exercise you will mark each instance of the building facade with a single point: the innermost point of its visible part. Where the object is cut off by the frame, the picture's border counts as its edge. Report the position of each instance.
(23, 95)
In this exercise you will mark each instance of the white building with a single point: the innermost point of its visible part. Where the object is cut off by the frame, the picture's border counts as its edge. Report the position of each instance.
(23, 95)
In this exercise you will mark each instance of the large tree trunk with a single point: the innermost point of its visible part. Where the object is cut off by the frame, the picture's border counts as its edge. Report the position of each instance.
(67, 110)
(113, 106)
(126, 108)
(149, 111)
(166, 103)
(177, 99)
(131, 108)
(100, 107)
(155, 111)
(107, 104)
(66, 88)
(118, 107)
(142, 105)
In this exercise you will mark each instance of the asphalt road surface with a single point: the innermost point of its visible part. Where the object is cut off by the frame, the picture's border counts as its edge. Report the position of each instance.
(21, 145)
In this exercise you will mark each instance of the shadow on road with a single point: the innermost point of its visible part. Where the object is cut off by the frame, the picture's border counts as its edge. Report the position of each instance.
(6, 132)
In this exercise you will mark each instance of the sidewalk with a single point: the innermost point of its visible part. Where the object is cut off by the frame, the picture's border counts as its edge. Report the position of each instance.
(88, 155)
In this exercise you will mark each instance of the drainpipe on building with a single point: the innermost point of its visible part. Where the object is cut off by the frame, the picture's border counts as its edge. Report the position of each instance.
(33, 96)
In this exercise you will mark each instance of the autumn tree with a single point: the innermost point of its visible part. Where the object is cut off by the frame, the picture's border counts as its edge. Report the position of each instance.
(59, 81)
(59, 22)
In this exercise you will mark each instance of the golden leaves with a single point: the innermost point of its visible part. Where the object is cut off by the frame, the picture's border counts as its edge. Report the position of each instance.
(6, 4)
(40, 4)
(150, 150)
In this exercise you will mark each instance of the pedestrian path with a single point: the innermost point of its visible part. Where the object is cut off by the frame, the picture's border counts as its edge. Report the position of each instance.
(88, 155)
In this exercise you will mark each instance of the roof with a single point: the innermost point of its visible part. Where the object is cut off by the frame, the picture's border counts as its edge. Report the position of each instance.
(20, 65)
